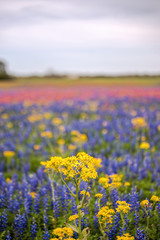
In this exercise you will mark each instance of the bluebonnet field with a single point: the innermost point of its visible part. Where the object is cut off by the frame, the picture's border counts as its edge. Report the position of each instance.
(120, 202)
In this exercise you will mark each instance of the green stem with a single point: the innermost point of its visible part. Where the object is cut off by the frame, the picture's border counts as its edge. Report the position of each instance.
(50, 146)
(84, 197)
(79, 211)
(147, 224)
(52, 187)
(123, 222)
(73, 195)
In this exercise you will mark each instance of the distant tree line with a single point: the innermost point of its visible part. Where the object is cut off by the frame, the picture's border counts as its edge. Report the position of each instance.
(3, 72)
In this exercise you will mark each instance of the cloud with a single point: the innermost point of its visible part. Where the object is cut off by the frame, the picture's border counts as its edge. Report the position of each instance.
(26, 12)
(80, 34)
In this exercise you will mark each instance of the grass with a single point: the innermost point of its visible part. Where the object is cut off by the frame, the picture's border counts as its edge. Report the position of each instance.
(128, 81)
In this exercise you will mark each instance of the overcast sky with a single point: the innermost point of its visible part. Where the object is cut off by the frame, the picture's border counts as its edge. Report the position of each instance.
(80, 36)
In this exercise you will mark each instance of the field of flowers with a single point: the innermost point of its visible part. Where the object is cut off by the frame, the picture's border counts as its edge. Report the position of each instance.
(80, 163)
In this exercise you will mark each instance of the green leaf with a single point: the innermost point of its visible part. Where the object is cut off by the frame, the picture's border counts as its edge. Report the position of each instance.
(82, 214)
(85, 233)
(74, 228)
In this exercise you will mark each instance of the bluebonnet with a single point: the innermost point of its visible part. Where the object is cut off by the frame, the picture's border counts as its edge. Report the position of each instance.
(46, 235)
(20, 224)
(3, 221)
(33, 229)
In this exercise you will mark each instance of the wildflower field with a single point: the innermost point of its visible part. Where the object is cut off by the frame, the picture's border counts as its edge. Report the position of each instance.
(80, 163)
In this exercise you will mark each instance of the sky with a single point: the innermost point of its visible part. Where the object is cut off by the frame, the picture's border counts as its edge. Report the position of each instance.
(80, 36)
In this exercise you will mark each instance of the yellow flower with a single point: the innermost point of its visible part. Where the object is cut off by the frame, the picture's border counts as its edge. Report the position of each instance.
(115, 181)
(83, 192)
(99, 195)
(33, 194)
(8, 153)
(61, 141)
(63, 232)
(35, 118)
(81, 166)
(47, 115)
(144, 145)
(72, 147)
(144, 203)
(123, 207)
(8, 180)
(42, 126)
(83, 137)
(47, 134)
(9, 125)
(73, 217)
(143, 138)
(139, 122)
(75, 132)
(36, 147)
(104, 131)
(4, 116)
(57, 121)
(62, 128)
(155, 198)
(158, 127)
(126, 236)
(127, 184)
(105, 215)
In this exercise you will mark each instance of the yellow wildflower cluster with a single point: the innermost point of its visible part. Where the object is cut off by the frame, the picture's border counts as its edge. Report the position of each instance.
(4, 116)
(35, 117)
(47, 115)
(61, 141)
(81, 166)
(125, 236)
(123, 207)
(154, 198)
(105, 215)
(144, 145)
(78, 137)
(8, 180)
(83, 193)
(111, 181)
(33, 194)
(8, 153)
(9, 125)
(144, 203)
(127, 184)
(63, 233)
(98, 195)
(47, 134)
(73, 217)
(36, 147)
(139, 122)
(57, 121)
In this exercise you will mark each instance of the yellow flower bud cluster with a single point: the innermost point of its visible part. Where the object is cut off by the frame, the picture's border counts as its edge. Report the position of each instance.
(144, 145)
(73, 217)
(139, 122)
(47, 134)
(8, 153)
(125, 236)
(83, 193)
(63, 233)
(98, 195)
(111, 181)
(82, 166)
(122, 207)
(154, 198)
(35, 117)
(144, 203)
(78, 137)
(105, 215)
